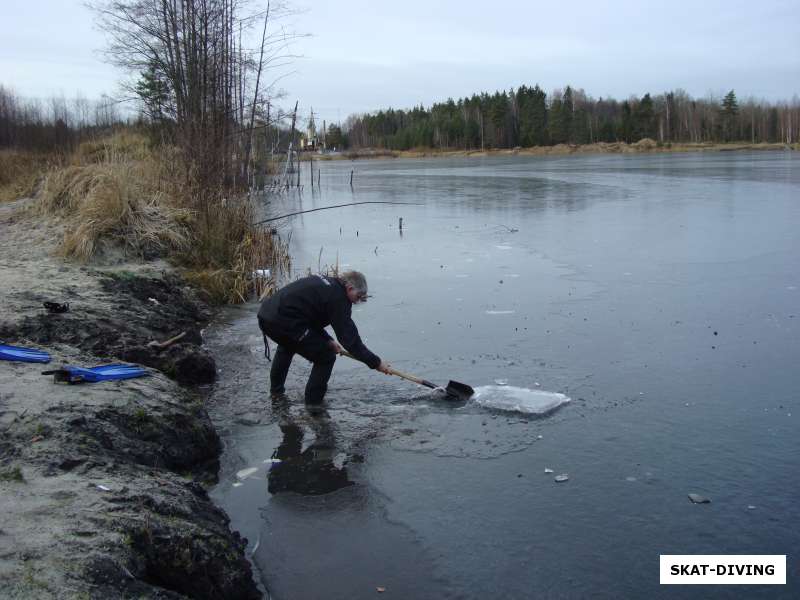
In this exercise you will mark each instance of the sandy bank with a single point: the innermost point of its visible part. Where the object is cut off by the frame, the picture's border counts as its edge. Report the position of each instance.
(102, 485)
(645, 145)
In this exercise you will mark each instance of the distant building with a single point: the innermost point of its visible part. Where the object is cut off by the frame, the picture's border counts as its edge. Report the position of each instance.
(309, 141)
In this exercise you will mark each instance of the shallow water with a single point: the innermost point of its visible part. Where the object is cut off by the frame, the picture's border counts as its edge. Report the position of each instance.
(658, 293)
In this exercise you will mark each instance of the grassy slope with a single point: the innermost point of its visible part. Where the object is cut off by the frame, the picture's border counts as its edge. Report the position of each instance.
(121, 194)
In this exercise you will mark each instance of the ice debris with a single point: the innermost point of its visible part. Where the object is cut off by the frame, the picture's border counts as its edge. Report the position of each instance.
(245, 473)
(698, 499)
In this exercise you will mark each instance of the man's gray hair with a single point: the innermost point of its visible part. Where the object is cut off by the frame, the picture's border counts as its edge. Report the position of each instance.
(356, 280)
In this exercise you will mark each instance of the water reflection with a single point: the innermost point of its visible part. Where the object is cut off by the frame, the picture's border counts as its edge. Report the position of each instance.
(310, 472)
(621, 273)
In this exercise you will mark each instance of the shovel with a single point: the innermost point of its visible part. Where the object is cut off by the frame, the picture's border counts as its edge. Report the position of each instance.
(455, 390)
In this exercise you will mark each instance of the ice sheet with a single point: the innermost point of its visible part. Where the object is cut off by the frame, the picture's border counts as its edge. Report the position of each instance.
(517, 399)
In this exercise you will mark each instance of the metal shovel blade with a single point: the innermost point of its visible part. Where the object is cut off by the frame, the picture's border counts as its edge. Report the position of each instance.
(459, 391)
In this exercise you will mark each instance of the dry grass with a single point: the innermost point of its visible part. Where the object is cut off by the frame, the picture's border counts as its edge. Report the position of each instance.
(121, 146)
(117, 202)
(371, 153)
(20, 172)
(121, 193)
(227, 251)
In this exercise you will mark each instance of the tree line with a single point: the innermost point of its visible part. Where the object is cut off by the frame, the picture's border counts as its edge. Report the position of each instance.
(528, 117)
(56, 123)
(196, 80)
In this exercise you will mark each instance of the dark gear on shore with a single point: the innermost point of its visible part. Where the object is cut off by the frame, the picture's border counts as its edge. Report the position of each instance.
(295, 318)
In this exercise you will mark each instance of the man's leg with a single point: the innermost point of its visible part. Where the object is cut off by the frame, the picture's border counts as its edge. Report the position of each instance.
(280, 368)
(315, 347)
(318, 380)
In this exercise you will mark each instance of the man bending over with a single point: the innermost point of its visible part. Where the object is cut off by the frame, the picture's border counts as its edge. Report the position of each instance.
(295, 318)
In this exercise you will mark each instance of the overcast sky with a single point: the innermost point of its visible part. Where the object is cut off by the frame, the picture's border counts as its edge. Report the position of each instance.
(362, 55)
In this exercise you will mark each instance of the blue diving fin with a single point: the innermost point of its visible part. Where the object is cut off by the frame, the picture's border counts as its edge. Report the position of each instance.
(23, 354)
(68, 374)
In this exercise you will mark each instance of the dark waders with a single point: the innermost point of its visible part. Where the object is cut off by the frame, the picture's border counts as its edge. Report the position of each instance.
(314, 347)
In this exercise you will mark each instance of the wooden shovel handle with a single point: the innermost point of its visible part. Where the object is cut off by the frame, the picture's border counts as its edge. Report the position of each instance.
(393, 371)
(413, 378)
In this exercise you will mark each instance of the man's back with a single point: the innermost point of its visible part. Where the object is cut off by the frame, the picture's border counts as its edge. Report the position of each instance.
(311, 302)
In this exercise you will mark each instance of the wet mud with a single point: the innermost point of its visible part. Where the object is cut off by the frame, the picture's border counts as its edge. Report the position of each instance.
(136, 311)
(104, 486)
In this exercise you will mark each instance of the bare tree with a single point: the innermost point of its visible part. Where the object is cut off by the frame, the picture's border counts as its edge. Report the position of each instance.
(194, 73)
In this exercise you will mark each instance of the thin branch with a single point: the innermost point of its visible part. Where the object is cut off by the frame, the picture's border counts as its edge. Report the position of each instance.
(334, 206)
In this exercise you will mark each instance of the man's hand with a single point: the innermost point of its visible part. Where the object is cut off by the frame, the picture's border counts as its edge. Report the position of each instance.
(385, 367)
(336, 347)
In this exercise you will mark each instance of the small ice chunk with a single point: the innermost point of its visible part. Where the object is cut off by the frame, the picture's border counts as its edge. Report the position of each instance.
(501, 381)
(103, 488)
(245, 473)
(238, 484)
(698, 499)
(503, 247)
(539, 437)
(561, 478)
(548, 470)
(630, 479)
(500, 312)
(750, 507)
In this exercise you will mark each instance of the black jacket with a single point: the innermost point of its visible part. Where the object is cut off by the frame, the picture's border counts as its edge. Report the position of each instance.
(311, 304)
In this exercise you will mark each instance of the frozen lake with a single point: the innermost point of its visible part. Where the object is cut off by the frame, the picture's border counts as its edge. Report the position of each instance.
(629, 321)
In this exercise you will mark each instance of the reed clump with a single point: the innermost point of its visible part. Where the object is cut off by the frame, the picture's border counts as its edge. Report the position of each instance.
(114, 200)
(123, 193)
(229, 253)
(122, 145)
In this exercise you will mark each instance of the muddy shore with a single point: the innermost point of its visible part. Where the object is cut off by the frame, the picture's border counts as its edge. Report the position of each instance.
(103, 487)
